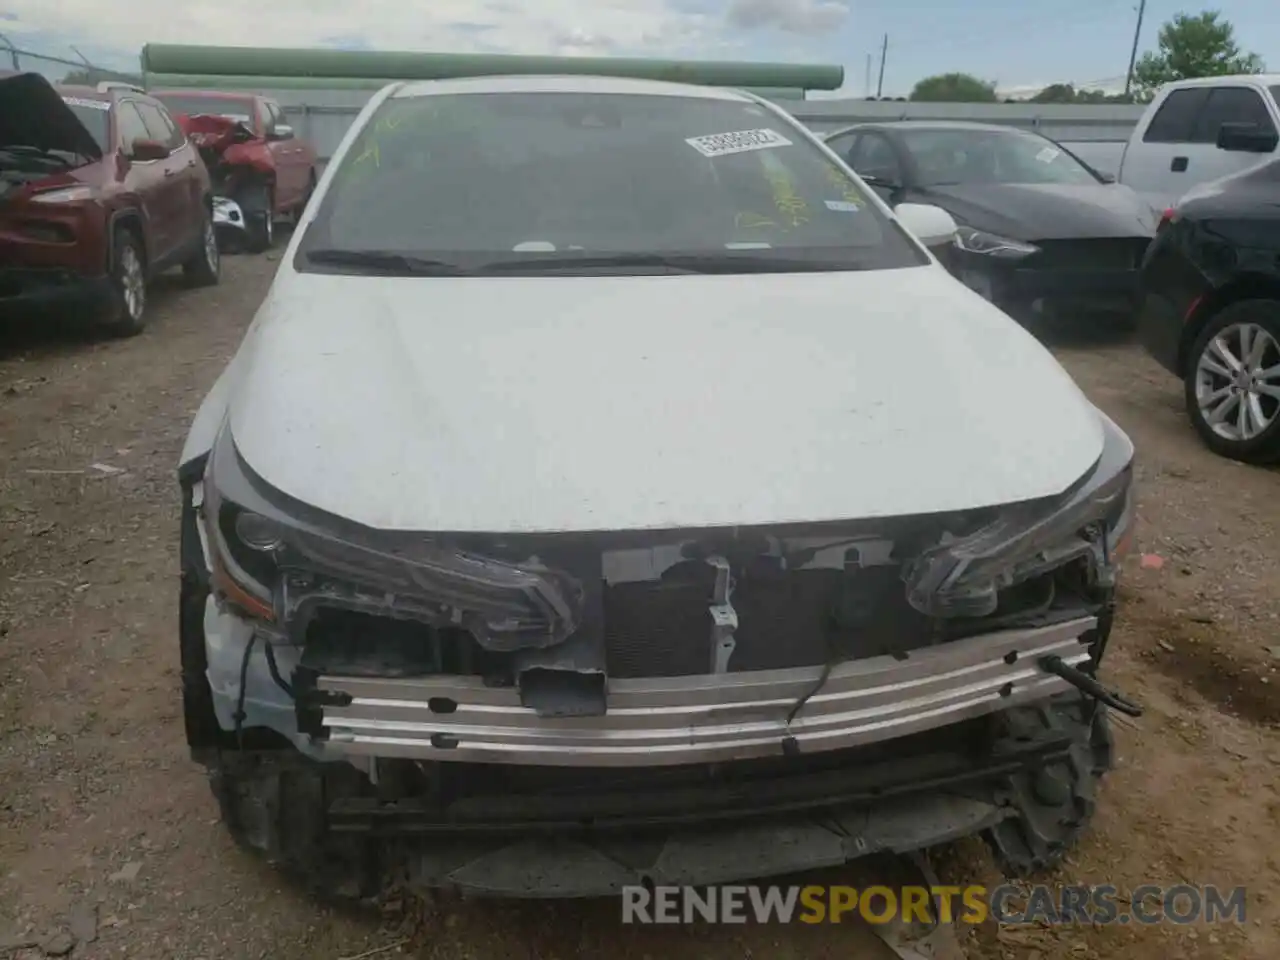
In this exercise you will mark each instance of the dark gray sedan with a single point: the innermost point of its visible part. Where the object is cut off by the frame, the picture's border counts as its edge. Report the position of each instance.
(1040, 230)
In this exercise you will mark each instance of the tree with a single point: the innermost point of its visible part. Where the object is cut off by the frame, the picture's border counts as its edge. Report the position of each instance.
(954, 88)
(1056, 93)
(1067, 93)
(92, 76)
(1193, 46)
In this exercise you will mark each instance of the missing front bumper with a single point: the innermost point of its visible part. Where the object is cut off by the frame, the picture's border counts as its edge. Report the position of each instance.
(702, 719)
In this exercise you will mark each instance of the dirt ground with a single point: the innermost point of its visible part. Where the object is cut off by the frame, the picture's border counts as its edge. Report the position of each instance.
(108, 831)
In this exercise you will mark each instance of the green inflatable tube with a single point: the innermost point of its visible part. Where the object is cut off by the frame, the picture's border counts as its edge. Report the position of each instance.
(162, 58)
(167, 81)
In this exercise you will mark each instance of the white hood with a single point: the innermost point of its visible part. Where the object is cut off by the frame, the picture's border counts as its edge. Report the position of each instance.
(529, 404)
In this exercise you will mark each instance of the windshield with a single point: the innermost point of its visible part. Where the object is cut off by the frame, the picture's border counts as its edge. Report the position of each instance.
(474, 180)
(93, 115)
(231, 108)
(946, 157)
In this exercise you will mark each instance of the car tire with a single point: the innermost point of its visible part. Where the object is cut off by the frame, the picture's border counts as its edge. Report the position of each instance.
(204, 268)
(1252, 392)
(275, 802)
(126, 312)
(1052, 806)
(260, 222)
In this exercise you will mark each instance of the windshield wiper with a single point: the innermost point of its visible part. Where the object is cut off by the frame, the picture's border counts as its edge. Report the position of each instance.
(684, 263)
(386, 261)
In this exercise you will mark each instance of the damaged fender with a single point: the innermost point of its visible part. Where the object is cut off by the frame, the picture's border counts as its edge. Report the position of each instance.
(228, 141)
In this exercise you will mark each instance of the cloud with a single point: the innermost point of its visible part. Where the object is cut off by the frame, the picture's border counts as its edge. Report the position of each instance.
(792, 16)
(654, 27)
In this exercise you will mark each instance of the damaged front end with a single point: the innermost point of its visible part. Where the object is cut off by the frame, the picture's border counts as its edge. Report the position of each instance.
(685, 706)
(240, 166)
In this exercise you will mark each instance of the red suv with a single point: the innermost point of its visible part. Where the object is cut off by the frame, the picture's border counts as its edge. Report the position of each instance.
(99, 192)
(262, 170)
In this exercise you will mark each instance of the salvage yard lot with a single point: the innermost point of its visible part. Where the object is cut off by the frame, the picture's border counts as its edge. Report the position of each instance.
(105, 824)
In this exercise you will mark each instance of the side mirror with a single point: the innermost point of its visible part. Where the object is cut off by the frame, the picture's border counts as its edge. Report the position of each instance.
(281, 131)
(1246, 138)
(931, 225)
(144, 150)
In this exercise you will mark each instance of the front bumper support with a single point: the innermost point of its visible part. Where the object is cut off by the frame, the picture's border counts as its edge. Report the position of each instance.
(700, 719)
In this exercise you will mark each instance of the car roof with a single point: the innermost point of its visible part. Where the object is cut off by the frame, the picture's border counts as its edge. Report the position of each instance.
(929, 125)
(570, 83)
(82, 92)
(210, 94)
(1255, 79)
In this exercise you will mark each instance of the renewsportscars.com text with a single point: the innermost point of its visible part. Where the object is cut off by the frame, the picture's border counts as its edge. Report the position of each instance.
(1072, 904)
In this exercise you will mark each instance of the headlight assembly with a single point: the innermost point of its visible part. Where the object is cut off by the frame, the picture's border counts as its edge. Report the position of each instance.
(64, 195)
(1094, 519)
(278, 568)
(979, 241)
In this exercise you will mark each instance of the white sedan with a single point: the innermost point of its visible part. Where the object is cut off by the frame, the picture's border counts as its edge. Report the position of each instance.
(606, 461)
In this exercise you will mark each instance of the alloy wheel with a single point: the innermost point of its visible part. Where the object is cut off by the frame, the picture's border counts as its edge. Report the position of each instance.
(1237, 382)
(211, 255)
(133, 285)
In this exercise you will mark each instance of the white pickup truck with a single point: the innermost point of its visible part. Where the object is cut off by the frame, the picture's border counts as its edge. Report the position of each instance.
(1199, 130)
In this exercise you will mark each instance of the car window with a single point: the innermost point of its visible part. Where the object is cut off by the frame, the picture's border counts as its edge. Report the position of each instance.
(129, 123)
(194, 105)
(478, 178)
(948, 157)
(843, 145)
(275, 113)
(93, 114)
(1230, 105)
(177, 138)
(159, 126)
(873, 156)
(1175, 119)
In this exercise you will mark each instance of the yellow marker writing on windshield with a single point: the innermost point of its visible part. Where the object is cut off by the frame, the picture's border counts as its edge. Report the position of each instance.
(370, 152)
(848, 192)
(748, 221)
(793, 208)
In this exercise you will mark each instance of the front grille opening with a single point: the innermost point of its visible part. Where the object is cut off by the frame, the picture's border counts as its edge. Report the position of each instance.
(805, 618)
(1106, 254)
(663, 628)
(354, 644)
(786, 618)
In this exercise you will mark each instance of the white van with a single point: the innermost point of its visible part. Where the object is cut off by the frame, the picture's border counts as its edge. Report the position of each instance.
(1200, 130)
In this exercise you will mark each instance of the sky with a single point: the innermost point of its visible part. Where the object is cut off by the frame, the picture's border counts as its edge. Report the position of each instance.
(1020, 45)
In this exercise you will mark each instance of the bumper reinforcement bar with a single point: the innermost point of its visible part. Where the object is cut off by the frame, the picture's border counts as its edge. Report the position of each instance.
(701, 719)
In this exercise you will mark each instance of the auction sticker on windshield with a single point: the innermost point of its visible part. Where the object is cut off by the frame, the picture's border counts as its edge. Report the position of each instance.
(91, 104)
(740, 141)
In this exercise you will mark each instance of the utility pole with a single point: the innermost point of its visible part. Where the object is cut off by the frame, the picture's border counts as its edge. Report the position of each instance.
(884, 50)
(1133, 54)
(866, 90)
(13, 54)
